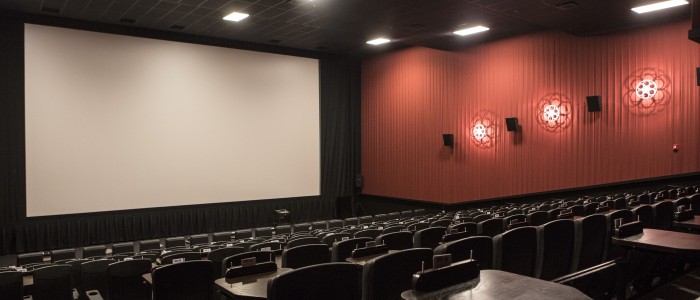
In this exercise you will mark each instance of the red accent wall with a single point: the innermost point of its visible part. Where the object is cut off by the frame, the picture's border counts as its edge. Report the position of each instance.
(411, 97)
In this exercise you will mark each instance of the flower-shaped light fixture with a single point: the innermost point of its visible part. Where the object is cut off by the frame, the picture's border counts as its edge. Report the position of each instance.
(484, 129)
(554, 112)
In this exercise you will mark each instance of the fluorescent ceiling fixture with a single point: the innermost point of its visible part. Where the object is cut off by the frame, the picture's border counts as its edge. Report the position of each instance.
(471, 30)
(236, 16)
(659, 5)
(378, 41)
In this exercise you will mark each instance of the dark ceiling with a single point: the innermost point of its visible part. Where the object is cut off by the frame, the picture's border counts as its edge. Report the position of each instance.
(343, 26)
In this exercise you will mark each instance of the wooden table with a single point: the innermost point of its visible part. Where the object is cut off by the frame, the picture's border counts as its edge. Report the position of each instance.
(248, 287)
(494, 284)
(690, 224)
(662, 241)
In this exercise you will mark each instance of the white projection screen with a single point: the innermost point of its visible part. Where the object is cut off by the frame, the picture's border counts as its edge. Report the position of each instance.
(116, 122)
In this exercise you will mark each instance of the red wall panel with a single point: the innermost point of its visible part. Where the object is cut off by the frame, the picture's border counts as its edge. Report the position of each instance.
(411, 97)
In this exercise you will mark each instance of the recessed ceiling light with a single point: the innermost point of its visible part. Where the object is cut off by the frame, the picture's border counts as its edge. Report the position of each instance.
(659, 5)
(236, 16)
(471, 30)
(378, 41)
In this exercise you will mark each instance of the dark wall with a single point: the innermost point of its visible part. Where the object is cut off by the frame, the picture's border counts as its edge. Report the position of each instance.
(339, 117)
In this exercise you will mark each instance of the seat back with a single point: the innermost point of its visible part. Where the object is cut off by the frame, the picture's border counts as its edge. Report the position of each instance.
(125, 281)
(217, 258)
(370, 233)
(265, 232)
(417, 226)
(283, 229)
(123, 248)
(184, 256)
(685, 201)
(94, 251)
(490, 227)
(94, 276)
(481, 248)
(429, 237)
(334, 237)
(594, 233)
(183, 281)
(380, 218)
(53, 283)
(222, 237)
(515, 251)
(300, 227)
(365, 220)
(663, 215)
(199, 239)
(469, 227)
(558, 239)
(396, 240)
(387, 276)
(338, 281)
(242, 234)
(305, 255)
(537, 218)
(343, 249)
(62, 254)
(351, 222)
(175, 242)
(441, 223)
(149, 245)
(645, 214)
(30, 258)
(11, 285)
(695, 201)
(306, 240)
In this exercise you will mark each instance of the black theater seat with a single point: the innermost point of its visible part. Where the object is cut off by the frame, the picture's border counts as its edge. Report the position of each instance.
(480, 247)
(387, 276)
(515, 251)
(558, 239)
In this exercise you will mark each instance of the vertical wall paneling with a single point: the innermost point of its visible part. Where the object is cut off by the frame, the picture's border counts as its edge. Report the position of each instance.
(411, 97)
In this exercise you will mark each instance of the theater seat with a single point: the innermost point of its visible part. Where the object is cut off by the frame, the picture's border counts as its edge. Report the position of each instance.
(307, 240)
(370, 233)
(62, 254)
(481, 247)
(387, 276)
(594, 234)
(53, 283)
(558, 239)
(396, 240)
(537, 218)
(663, 215)
(125, 281)
(429, 237)
(185, 256)
(183, 281)
(217, 258)
(337, 281)
(306, 255)
(11, 285)
(490, 227)
(515, 251)
(94, 251)
(343, 249)
(94, 276)
(334, 237)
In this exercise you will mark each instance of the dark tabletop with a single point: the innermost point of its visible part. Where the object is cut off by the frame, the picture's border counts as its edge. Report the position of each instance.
(494, 284)
(662, 241)
(248, 287)
(691, 224)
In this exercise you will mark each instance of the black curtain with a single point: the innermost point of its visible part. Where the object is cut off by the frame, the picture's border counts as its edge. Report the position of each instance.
(340, 119)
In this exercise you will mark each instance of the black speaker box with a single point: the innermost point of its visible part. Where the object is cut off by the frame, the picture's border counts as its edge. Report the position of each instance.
(512, 124)
(594, 103)
(448, 139)
(697, 77)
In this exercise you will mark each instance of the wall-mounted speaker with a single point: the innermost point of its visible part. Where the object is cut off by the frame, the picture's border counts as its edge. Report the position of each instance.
(594, 103)
(697, 75)
(512, 124)
(448, 139)
(359, 181)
